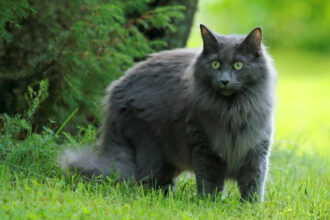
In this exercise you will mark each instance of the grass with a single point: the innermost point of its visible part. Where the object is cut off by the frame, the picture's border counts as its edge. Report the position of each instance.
(294, 191)
(32, 187)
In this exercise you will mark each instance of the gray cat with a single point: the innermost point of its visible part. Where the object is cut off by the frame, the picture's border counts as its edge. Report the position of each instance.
(209, 111)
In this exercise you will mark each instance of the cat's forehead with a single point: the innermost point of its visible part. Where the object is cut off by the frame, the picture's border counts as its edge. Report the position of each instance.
(232, 40)
(229, 46)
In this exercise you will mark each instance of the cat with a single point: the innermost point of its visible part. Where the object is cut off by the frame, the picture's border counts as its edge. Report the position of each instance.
(207, 110)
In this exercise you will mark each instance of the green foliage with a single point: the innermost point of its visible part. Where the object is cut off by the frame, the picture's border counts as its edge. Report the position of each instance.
(11, 13)
(291, 24)
(37, 152)
(35, 98)
(78, 47)
(27, 153)
(160, 17)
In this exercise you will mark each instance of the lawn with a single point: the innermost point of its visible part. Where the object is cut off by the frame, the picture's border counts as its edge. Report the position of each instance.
(32, 187)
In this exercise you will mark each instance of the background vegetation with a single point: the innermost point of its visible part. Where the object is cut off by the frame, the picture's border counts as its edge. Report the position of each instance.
(91, 45)
(302, 24)
(76, 48)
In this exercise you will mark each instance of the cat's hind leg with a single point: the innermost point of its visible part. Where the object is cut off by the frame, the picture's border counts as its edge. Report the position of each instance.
(153, 168)
(157, 175)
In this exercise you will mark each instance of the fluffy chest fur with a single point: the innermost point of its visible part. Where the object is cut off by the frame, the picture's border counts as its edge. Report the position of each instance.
(234, 127)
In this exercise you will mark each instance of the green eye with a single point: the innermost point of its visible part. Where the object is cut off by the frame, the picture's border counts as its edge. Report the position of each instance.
(238, 65)
(215, 64)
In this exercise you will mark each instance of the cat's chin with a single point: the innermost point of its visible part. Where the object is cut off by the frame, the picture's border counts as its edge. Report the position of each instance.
(227, 92)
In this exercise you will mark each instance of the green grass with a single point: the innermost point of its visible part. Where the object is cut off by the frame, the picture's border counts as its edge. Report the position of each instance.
(32, 187)
(291, 193)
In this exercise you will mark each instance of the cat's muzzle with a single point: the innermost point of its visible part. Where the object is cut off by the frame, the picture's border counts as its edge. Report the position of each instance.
(225, 89)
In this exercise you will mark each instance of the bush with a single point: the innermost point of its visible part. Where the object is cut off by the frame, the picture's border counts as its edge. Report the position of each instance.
(11, 12)
(75, 48)
(37, 153)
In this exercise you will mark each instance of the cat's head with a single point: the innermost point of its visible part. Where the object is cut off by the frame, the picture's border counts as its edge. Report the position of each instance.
(230, 63)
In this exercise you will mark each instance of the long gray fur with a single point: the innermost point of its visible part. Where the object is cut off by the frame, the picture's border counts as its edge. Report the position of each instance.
(172, 113)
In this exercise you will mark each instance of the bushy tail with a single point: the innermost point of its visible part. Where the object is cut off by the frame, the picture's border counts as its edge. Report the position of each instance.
(84, 161)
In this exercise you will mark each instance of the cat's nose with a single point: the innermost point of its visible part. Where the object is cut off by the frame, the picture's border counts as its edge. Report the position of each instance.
(224, 82)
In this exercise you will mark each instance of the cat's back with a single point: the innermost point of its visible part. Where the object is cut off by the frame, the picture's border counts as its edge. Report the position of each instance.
(163, 65)
(154, 85)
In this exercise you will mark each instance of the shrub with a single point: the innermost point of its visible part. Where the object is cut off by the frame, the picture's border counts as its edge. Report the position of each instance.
(75, 48)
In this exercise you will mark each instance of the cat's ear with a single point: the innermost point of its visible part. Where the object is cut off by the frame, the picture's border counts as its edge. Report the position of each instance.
(210, 42)
(252, 42)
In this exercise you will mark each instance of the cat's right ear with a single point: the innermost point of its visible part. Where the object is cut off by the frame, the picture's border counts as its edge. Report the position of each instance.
(252, 42)
(210, 42)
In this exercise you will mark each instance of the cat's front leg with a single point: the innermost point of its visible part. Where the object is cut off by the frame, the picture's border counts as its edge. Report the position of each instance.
(252, 175)
(209, 170)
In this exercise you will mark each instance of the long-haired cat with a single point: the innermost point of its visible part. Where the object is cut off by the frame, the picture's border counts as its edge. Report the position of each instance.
(209, 111)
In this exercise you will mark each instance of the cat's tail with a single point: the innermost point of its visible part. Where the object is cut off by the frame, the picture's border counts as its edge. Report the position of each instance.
(84, 161)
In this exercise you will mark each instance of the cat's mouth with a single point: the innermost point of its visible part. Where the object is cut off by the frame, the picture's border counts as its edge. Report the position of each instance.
(227, 91)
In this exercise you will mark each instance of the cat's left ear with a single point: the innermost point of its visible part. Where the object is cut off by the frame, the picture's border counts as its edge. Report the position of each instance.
(210, 42)
(252, 42)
